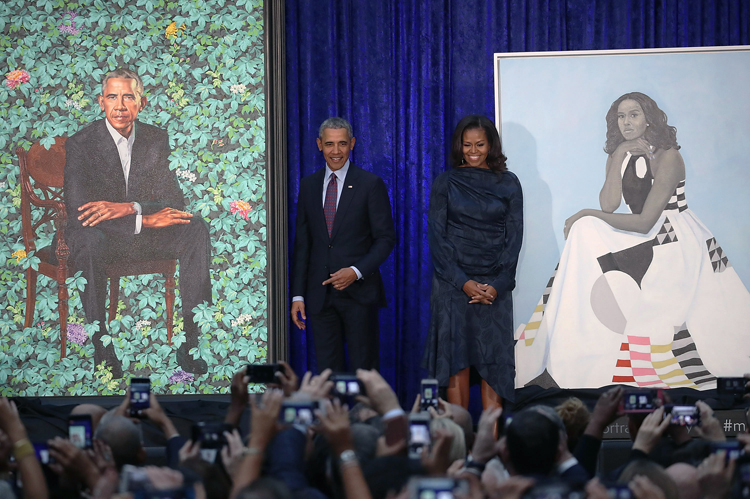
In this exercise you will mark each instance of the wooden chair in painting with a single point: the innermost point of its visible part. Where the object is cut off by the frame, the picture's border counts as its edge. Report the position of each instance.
(42, 174)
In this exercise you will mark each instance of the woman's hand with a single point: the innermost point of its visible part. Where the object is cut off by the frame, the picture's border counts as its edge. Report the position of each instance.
(570, 221)
(637, 147)
(479, 293)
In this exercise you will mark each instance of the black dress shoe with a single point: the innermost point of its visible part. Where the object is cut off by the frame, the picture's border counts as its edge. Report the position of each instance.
(107, 355)
(189, 364)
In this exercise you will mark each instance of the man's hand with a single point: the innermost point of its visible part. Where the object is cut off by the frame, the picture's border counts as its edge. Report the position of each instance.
(166, 217)
(232, 453)
(436, 461)
(380, 395)
(72, 461)
(485, 445)
(342, 278)
(10, 421)
(156, 415)
(288, 380)
(315, 387)
(298, 310)
(240, 397)
(263, 418)
(95, 212)
(715, 475)
(651, 430)
(605, 412)
(710, 427)
(334, 426)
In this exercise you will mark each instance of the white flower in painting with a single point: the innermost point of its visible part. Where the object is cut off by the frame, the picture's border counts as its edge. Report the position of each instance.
(237, 89)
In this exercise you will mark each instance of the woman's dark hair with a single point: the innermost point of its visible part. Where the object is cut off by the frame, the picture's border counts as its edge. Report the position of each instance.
(495, 159)
(658, 133)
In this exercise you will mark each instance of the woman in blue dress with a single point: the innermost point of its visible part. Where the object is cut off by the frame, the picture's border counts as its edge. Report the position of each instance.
(475, 232)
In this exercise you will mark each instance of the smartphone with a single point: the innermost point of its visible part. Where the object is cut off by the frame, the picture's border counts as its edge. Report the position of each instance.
(79, 430)
(437, 488)
(634, 401)
(264, 373)
(731, 386)
(346, 385)
(41, 449)
(429, 394)
(683, 415)
(554, 490)
(396, 429)
(733, 448)
(299, 412)
(211, 437)
(140, 390)
(419, 434)
(619, 491)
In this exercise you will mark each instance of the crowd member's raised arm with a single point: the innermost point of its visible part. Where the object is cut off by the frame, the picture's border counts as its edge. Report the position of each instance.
(334, 426)
(34, 486)
(715, 476)
(239, 397)
(604, 414)
(710, 427)
(380, 396)
(263, 426)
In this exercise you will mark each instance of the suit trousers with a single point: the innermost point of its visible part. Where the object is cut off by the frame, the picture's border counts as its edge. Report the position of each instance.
(91, 249)
(341, 320)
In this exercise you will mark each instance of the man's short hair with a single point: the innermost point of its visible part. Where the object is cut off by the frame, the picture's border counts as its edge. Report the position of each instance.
(532, 439)
(336, 123)
(123, 438)
(128, 75)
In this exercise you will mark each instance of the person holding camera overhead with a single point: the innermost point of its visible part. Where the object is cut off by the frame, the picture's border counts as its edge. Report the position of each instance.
(475, 230)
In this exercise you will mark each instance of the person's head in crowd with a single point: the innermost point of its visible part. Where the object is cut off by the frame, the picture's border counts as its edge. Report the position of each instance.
(685, 476)
(530, 444)
(389, 475)
(95, 411)
(265, 488)
(458, 446)
(576, 416)
(123, 437)
(654, 472)
(462, 418)
(215, 480)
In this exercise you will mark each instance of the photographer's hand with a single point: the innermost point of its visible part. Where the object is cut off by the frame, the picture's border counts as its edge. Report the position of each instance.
(156, 415)
(380, 395)
(240, 397)
(651, 430)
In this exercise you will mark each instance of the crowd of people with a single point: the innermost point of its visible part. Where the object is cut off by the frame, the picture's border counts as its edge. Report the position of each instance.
(304, 441)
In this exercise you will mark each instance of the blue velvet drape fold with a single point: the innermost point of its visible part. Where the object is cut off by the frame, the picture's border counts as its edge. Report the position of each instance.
(405, 71)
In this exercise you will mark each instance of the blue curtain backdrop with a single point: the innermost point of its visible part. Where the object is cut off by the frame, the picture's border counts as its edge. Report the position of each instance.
(405, 71)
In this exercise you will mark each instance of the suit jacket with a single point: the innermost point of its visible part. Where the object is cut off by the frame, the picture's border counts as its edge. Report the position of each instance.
(93, 172)
(363, 236)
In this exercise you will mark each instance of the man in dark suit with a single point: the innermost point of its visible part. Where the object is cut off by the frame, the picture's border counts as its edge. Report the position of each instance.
(123, 202)
(344, 232)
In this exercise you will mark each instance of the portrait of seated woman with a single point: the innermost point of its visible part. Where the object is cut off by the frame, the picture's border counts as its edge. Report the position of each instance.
(645, 298)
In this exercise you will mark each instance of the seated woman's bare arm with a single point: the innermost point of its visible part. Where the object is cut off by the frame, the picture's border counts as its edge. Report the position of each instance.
(611, 193)
(669, 170)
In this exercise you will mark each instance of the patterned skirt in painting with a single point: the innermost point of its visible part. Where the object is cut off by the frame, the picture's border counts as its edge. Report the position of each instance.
(663, 309)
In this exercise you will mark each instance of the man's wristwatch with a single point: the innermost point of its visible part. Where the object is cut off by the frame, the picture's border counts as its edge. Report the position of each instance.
(348, 457)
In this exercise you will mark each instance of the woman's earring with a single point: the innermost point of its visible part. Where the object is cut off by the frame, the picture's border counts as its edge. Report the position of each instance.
(647, 124)
(463, 160)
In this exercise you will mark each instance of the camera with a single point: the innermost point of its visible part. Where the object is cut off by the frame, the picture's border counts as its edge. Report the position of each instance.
(429, 394)
(683, 415)
(419, 434)
(140, 390)
(437, 488)
(731, 386)
(733, 449)
(79, 430)
(299, 412)
(634, 401)
(346, 385)
(263, 373)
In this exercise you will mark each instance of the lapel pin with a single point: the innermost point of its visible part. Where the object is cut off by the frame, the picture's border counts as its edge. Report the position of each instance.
(349, 186)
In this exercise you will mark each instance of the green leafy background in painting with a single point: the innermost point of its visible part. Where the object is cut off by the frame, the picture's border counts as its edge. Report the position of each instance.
(202, 66)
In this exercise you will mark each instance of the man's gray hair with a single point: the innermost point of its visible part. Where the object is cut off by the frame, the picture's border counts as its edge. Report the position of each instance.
(128, 75)
(336, 123)
(122, 436)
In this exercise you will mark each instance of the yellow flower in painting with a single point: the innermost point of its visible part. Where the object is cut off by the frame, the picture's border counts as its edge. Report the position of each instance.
(172, 30)
(20, 255)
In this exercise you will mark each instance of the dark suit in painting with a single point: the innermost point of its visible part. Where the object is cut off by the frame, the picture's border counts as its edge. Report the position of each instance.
(362, 236)
(93, 172)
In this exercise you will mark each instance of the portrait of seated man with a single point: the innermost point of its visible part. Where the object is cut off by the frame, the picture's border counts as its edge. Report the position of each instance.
(124, 203)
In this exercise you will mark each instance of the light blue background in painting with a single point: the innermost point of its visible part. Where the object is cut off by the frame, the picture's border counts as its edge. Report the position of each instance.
(553, 128)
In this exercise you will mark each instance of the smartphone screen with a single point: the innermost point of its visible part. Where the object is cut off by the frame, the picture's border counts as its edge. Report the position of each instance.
(79, 430)
(639, 401)
(419, 435)
(429, 394)
(726, 386)
(41, 449)
(437, 488)
(684, 415)
(263, 373)
(346, 385)
(298, 413)
(140, 389)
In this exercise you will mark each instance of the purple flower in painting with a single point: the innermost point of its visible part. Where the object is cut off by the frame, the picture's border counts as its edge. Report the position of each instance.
(181, 376)
(76, 334)
(71, 28)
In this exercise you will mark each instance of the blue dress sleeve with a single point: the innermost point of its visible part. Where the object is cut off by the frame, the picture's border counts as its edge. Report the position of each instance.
(444, 254)
(506, 280)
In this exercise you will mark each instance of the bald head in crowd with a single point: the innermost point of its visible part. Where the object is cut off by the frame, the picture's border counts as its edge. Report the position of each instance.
(95, 411)
(123, 438)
